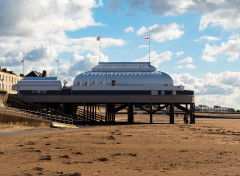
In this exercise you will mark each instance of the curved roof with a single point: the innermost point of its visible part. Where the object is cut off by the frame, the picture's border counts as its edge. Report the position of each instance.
(125, 73)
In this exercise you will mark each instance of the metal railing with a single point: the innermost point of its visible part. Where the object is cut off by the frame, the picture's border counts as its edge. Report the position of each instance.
(36, 115)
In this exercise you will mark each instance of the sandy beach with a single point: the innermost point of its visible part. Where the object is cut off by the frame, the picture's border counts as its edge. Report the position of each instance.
(209, 147)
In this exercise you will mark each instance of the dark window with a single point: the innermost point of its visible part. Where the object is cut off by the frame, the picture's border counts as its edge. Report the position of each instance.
(168, 92)
(113, 82)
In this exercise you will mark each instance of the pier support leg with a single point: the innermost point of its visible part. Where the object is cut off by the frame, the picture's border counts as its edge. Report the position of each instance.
(171, 113)
(110, 113)
(130, 113)
(87, 113)
(151, 121)
(192, 113)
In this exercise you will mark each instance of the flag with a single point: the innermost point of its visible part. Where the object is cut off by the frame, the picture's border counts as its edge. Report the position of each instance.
(22, 60)
(146, 38)
(98, 38)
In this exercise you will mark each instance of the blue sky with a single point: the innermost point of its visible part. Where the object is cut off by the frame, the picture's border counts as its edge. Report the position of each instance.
(196, 42)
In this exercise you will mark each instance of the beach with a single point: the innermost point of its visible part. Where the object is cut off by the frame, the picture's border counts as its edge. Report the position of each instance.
(209, 147)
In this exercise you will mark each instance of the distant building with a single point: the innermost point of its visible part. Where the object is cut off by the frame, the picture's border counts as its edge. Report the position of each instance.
(8, 79)
(37, 74)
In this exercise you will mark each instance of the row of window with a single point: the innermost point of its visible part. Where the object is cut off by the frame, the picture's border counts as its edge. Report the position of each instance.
(86, 83)
(5, 87)
(9, 78)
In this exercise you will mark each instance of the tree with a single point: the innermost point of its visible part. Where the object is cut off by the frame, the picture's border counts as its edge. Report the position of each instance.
(231, 110)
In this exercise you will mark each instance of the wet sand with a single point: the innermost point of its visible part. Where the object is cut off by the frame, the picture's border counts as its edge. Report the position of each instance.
(210, 147)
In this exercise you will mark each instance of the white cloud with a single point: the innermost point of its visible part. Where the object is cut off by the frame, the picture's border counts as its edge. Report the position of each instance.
(188, 63)
(208, 38)
(208, 58)
(223, 13)
(186, 60)
(214, 89)
(161, 33)
(231, 49)
(178, 67)
(143, 46)
(190, 66)
(37, 18)
(37, 33)
(179, 53)
(156, 58)
(128, 29)
(226, 18)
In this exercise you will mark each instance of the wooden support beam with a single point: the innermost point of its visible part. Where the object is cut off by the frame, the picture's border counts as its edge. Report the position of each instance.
(159, 108)
(150, 105)
(171, 113)
(84, 113)
(130, 113)
(87, 113)
(182, 108)
(120, 108)
(192, 113)
(142, 108)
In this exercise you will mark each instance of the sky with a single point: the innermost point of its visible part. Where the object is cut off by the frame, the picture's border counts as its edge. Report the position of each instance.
(197, 42)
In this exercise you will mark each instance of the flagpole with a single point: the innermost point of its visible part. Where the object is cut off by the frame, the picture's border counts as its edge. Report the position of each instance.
(58, 67)
(99, 48)
(23, 66)
(149, 48)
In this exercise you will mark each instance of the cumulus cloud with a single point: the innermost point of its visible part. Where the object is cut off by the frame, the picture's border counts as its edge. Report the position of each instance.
(230, 48)
(188, 63)
(186, 60)
(208, 58)
(223, 13)
(179, 53)
(128, 29)
(225, 18)
(213, 89)
(36, 30)
(156, 58)
(161, 33)
(36, 18)
(190, 66)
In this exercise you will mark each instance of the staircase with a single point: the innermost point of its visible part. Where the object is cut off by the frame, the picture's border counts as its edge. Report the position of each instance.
(39, 111)
(87, 116)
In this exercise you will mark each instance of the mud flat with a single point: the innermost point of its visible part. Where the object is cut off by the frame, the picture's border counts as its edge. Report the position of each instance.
(209, 147)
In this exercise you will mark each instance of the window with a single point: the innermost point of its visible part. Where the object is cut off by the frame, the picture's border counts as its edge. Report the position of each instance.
(113, 82)
(34, 91)
(94, 82)
(85, 83)
(78, 83)
(101, 82)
